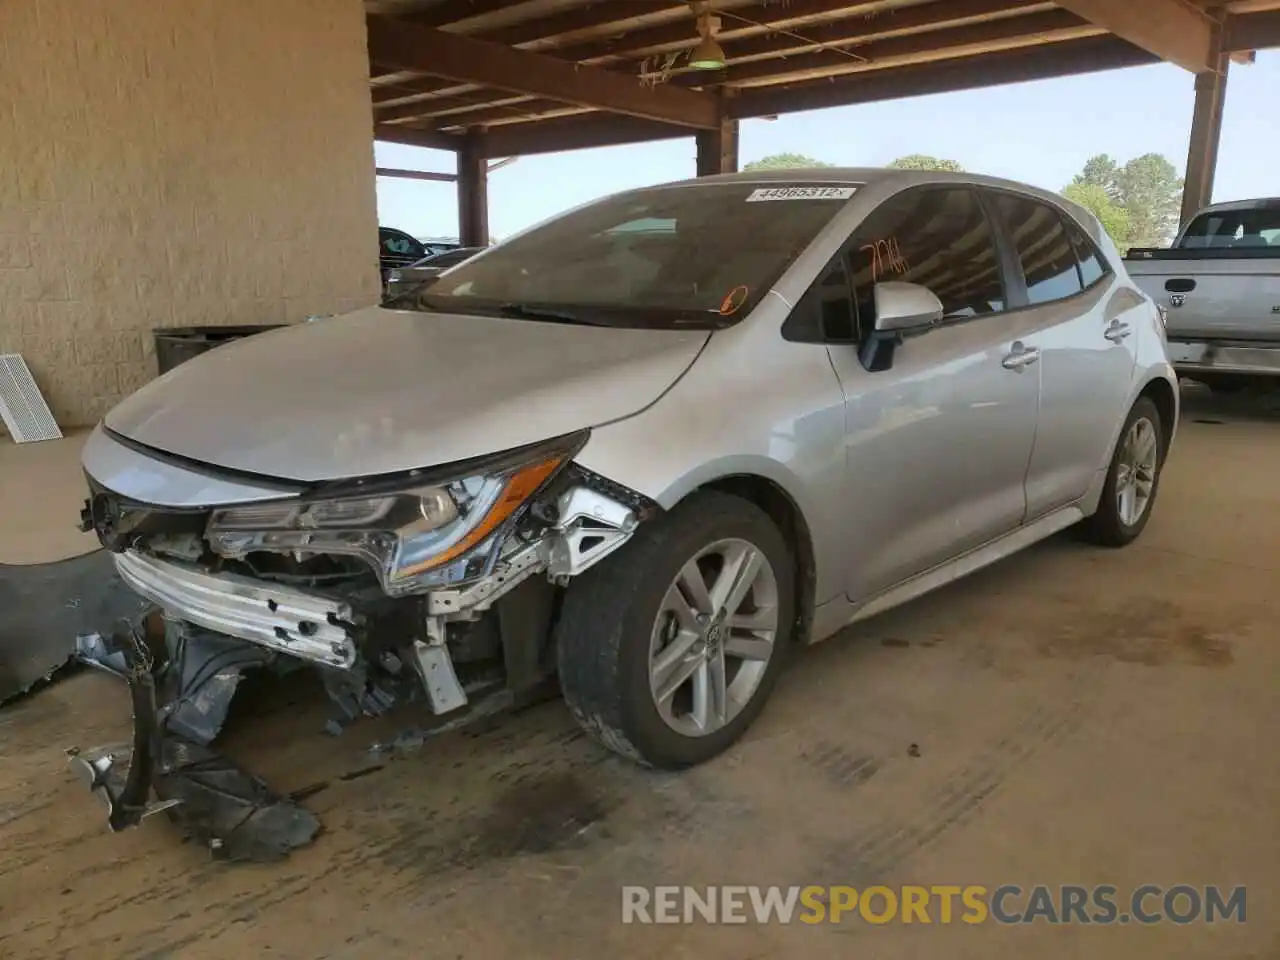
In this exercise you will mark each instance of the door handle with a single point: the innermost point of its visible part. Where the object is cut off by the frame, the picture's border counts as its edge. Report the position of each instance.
(1020, 356)
(1117, 331)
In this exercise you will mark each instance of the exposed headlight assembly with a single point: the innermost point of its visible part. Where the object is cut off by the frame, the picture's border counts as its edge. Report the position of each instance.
(415, 534)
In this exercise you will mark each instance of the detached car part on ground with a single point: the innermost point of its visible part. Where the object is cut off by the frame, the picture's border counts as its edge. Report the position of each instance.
(640, 450)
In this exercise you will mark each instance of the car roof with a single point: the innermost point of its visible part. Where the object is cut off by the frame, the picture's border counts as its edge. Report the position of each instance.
(866, 176)
(1261, 203)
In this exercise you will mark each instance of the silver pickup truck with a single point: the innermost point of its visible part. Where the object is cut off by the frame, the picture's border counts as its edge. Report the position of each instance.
(1219, 285)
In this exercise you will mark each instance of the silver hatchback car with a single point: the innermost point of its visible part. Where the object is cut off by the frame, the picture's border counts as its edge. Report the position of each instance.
(643, 450)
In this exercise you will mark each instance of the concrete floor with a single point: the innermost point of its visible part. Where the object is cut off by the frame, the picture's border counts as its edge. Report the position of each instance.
(42, 489)
(1071, 716)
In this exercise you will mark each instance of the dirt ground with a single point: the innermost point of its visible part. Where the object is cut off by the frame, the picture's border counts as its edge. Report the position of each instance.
(1073, 715)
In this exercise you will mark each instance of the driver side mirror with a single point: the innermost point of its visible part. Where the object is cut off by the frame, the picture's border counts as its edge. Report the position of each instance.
(903, 309)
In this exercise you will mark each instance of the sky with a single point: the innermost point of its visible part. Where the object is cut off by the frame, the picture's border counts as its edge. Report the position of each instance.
(1040, 133)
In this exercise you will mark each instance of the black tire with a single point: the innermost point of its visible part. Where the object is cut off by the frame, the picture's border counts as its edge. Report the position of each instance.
(603, 632)
(1106, 527)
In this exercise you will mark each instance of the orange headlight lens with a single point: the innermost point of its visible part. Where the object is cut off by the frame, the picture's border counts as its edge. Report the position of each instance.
(518, 488)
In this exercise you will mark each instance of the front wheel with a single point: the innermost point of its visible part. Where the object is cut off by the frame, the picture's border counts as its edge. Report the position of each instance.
(1132, 480)
(668, 649)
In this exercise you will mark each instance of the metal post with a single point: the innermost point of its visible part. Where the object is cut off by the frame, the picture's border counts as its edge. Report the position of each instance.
(473, 194)
(1206, 132)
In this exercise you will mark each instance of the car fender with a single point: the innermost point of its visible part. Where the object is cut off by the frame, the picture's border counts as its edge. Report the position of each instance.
(720, 421)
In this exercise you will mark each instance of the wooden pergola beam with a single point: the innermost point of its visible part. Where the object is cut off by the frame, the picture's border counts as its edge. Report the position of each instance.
(575, 133)
(398, 174)
(1171, 29)
(405, 46)
(617, 17)
(962, 73)
(734, 23)
(425, 109)
(919, 22)
(528, 111)
(1251, 31)
(414, 137)
(1036, 28)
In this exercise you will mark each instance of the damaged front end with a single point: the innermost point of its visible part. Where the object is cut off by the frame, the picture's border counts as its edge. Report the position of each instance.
(440, 585)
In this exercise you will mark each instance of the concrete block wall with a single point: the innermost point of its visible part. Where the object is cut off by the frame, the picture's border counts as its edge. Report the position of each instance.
(164, 164)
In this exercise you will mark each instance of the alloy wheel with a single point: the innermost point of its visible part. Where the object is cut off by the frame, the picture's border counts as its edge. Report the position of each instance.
(1136, 471)
(713, 637)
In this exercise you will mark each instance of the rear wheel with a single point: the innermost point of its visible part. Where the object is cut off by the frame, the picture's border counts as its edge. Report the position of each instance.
(668, 649)
(1132, 481)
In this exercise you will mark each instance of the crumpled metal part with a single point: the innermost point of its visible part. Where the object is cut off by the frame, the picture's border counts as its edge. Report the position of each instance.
(235, 814)
(180, 698)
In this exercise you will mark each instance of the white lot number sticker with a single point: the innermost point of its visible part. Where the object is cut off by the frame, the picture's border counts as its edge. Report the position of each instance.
(800, 193)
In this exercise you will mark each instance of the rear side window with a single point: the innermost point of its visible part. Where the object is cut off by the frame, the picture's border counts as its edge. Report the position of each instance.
(1040, 240)
(1092, 266)
(1233, 229)
(938, 237)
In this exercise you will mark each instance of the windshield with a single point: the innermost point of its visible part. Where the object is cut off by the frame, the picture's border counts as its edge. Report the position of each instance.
(1234, 229)
(698, 255)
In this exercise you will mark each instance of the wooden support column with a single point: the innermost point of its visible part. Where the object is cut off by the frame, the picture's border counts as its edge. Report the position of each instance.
(1206, 132)
(473, 193)
(718, 147)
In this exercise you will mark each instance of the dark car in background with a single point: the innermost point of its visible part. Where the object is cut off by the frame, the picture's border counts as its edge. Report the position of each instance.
(398, 249)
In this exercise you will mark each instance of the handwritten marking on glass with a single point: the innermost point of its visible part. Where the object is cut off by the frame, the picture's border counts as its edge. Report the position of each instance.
(886, 258)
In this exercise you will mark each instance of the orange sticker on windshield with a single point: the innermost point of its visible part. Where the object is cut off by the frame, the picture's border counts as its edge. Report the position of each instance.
(733, 301)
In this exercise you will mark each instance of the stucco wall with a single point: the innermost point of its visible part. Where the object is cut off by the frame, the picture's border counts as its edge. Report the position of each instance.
(176, 164)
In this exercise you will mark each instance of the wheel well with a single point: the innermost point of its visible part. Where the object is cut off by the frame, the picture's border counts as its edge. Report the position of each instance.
(775, 501)
(1161, 394)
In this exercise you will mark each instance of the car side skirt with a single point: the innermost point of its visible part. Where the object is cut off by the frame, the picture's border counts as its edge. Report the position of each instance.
(832, 617)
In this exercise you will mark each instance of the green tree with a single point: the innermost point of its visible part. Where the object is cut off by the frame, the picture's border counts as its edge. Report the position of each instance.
(784, 161)
(1094, 198)
(1099, 171)
(1147, 189)
(922, 161)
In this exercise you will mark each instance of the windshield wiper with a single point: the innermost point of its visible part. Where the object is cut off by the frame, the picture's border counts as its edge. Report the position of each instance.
(524, 311)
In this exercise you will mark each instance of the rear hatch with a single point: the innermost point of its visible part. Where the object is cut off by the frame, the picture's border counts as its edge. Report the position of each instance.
(1213, 294)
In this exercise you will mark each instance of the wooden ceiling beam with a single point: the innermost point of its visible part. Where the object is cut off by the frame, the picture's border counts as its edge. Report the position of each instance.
(734, 23)
(1070, 57)
(455, 11)
(1173, 30)
(1251, 31)
(414, 137)
(607, 15)
(576, 133)
(528, 111)
(426, 109)
(424, 88)
(1034, 27)
(909, 21)
(406, 46)
(1013, 66)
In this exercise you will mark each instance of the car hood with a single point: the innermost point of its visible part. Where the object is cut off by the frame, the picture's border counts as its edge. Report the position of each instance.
(380, 391)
